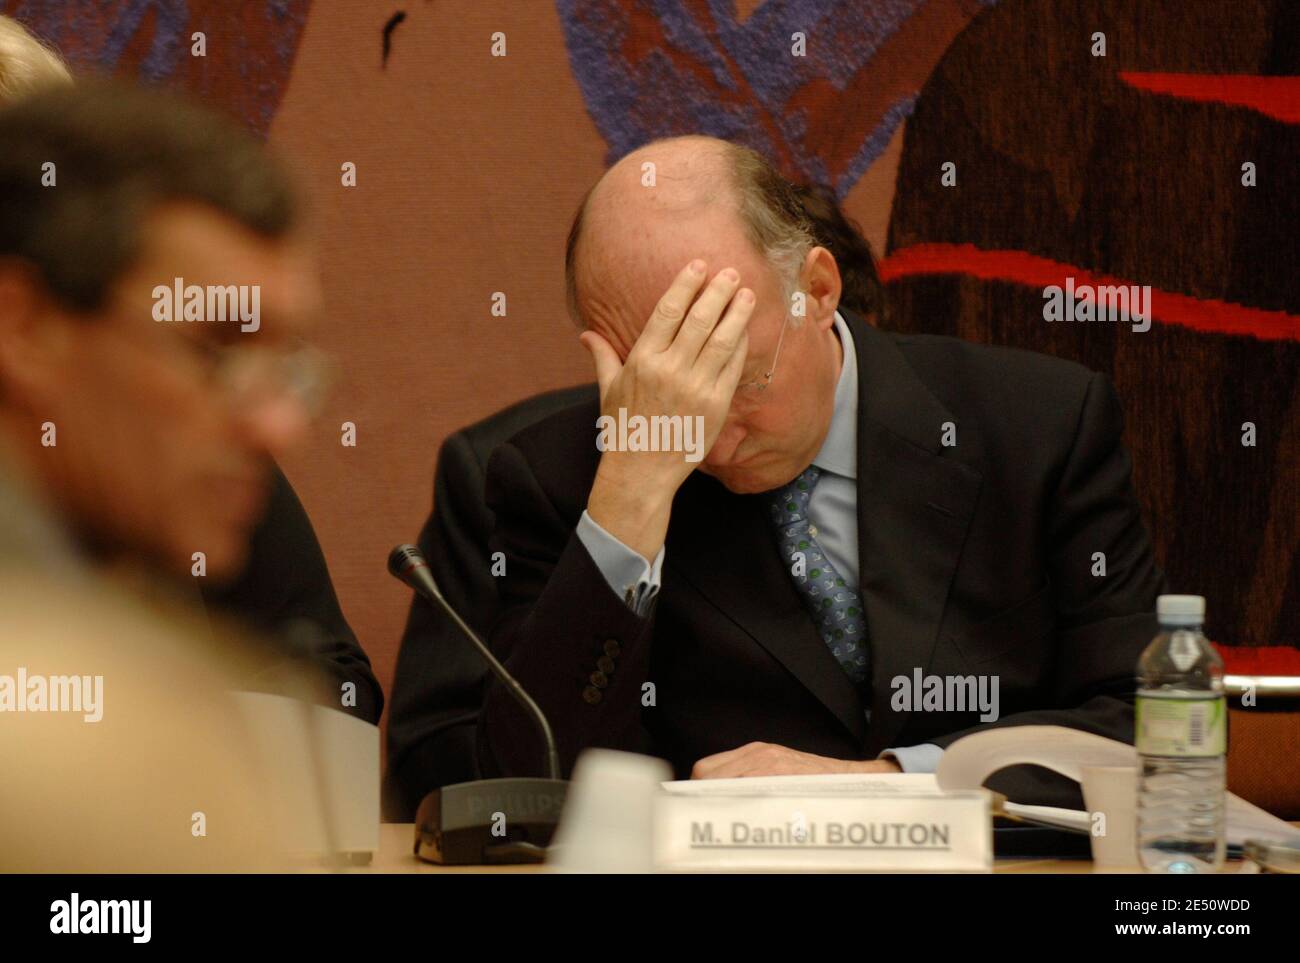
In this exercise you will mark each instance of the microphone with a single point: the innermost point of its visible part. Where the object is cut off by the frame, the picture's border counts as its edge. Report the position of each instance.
(487, 820)
(408, 565)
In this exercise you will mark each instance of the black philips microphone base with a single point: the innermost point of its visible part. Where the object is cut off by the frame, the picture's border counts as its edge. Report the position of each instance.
(489, 821)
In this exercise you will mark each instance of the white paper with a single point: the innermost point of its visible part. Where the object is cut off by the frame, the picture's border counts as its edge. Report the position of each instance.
(972, 759)
(839, 782)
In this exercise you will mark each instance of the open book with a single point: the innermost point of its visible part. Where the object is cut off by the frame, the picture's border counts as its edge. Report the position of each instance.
(972, 759)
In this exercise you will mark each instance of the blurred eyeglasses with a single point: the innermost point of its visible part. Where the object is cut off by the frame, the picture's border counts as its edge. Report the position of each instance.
(250, 374)
(245, 372)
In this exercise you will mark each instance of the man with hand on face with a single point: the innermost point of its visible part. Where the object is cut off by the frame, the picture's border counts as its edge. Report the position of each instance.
(871, 508)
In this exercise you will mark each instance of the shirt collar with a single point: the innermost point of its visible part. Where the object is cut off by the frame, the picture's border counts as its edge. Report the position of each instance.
(839, 451)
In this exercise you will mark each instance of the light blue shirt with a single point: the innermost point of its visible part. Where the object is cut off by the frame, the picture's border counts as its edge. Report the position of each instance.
(832, 510)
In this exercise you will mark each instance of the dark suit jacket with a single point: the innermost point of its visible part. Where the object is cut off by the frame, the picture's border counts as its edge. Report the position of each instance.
(974, 559)
(285, 590)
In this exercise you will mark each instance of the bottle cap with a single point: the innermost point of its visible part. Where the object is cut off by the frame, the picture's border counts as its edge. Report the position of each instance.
(1180, 609)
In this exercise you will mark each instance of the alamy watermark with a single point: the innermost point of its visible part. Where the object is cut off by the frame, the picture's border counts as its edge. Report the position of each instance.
(654, 433)
(215, 302)
(131, 917)
(1124, 303)
(55, 693)
(946, 693)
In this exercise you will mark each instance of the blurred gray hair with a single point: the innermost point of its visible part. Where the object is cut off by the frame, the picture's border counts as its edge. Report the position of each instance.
(26, 64)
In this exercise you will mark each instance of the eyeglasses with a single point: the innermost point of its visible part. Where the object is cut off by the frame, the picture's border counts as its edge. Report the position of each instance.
(248, 374)
(245, 374)
(752, 389)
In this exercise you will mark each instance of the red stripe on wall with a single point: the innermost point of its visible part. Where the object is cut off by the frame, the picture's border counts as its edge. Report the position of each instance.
(1208, 315)
(1265, 660)
(1276, 97)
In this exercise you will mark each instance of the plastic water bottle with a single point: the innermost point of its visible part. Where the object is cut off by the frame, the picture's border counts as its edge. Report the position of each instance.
(1182, 730)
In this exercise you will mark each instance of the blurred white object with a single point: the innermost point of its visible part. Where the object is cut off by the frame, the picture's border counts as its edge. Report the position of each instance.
(322, 769)
(608, 820)
(1112, 791)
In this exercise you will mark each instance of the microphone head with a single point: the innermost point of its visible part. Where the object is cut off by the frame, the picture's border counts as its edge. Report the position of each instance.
(407, 564)
(404, 558)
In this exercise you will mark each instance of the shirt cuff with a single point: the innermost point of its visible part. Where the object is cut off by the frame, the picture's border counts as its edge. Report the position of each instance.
(923, 758)
(627, 572)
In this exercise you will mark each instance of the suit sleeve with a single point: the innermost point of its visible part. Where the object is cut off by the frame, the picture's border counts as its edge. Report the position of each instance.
(286, 590)
(574, 645)
(1104, 621)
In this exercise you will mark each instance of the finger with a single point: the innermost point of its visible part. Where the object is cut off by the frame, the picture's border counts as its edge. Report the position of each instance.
(741, 768)
(604, 357)
(729, 377)
(720, 351)
(707, 767)
(702, 318)
(667, 316)
(704, 768)
(710, 768)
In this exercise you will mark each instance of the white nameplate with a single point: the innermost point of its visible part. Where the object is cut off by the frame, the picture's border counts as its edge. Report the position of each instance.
(898, 831)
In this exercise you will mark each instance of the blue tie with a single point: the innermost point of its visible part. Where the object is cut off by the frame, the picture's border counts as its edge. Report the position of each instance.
(836, 607)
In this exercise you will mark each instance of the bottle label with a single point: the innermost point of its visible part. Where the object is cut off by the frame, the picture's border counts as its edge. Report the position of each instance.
(1187, 728)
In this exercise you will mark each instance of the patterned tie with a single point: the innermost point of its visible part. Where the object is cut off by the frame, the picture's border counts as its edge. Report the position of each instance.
(835, 606)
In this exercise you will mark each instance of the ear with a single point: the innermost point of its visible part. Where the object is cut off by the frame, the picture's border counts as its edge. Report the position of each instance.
(32, 343)
(820, 278)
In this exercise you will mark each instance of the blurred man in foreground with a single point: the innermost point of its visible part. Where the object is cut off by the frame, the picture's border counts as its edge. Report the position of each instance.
(284, 589)
(148, 439)
(154, 286)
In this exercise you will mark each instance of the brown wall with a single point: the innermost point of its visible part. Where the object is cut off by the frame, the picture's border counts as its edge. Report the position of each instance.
(443, 215)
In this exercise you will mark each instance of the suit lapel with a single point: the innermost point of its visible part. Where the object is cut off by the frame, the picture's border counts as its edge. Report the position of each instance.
(915, 501)
(724, 546)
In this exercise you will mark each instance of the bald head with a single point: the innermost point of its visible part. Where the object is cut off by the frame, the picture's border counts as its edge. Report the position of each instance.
(687, 170)
(657, 184)
(665, 204)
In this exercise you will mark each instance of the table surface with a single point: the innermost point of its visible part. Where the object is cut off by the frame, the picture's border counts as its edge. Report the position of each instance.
(396, 855)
